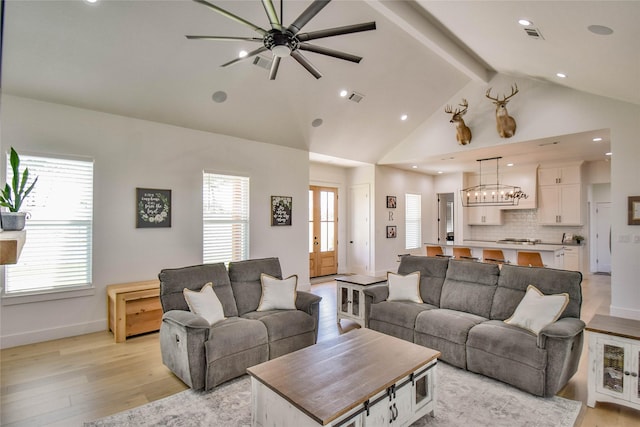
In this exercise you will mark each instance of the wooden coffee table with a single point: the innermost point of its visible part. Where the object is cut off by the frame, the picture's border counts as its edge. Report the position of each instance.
(360, 378)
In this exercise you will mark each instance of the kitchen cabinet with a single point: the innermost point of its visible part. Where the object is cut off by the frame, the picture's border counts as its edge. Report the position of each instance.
(484, 215)
(526, 179)
(572, 258)
(559, 196)
(614, 361)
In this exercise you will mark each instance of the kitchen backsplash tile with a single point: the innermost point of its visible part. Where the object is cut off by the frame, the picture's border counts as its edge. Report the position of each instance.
(521, 224)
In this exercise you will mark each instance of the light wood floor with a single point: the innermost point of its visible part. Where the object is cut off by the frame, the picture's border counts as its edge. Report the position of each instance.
(68, 381)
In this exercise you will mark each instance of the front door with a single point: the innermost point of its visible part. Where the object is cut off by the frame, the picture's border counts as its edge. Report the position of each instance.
(323, 231)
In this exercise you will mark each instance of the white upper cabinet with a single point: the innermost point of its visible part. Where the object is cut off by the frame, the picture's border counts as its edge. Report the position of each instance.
(560, 195)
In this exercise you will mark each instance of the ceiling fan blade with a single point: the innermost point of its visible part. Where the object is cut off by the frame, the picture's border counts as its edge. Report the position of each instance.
(306, 64)
(221, 38)
(271, 13)
(249, 55)
(274, 67)
(230, 15)
(307, 15)
(330, 32)
(329, 52)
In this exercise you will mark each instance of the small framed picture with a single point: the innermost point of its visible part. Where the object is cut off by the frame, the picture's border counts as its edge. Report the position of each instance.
(153, 208)
(634, 210)
(281, 210)
(391, 202)
(392, 231)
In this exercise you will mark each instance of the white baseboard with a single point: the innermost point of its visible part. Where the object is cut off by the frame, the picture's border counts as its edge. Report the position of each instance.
(41, 335)
(624, 312)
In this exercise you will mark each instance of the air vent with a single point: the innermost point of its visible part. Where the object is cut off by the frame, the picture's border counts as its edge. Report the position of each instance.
(534, 33)
(263, 62)
(355, 97)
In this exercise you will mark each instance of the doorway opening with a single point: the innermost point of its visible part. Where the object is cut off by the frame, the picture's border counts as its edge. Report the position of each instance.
(445, 218)
(323, 231)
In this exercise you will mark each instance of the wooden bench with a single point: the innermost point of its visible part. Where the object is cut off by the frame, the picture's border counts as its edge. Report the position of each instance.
(133, 308)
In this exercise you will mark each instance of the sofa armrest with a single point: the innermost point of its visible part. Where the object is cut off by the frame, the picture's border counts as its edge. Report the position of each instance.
(182, 345)
(378, 293)
(563, 329)
(306, 300)
(310, 304)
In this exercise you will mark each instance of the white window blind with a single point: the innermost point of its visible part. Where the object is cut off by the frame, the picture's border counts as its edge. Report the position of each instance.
(58, 250)
(225, 215)
(413, 220)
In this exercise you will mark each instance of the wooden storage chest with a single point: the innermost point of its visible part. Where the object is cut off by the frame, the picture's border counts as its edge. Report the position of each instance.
(133, 308)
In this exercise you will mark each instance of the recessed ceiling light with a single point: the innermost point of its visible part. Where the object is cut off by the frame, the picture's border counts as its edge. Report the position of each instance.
(404, 117)
(316, 123)
(600, 30)
(597, 139)
(509, 164)
(344, 93)
(525, 22)
(561, 75)
(414, 167)
(91, 1)
(219, 96)
(608, 154)
(440, 172)
(243, 54)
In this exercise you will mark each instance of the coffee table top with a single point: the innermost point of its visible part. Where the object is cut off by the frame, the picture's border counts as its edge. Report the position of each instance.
(328, 379)
(359, 279)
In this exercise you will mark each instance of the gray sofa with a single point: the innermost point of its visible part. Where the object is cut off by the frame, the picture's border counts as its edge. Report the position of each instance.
(204, 356)
(465, 305)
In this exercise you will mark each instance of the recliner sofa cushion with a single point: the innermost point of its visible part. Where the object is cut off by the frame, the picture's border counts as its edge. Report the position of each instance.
(234, 335)
(173, 281)
(469, 287)
(245, 280)
(514, 280)
(450, 325)
(400, 313)
(432, 273)
(282, 324)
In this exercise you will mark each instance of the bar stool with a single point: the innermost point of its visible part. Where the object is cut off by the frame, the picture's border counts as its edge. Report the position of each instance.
(493, 256)
(436, 251)
(531, 259)
(463, 254)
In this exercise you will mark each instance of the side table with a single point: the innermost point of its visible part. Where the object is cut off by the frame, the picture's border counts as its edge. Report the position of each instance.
(350, 296)
(614, 361)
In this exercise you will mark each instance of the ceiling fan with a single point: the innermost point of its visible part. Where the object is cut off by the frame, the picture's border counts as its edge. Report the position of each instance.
(288, 41)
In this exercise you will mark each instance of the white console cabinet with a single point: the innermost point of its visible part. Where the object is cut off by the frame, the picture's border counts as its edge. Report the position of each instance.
(614, 361)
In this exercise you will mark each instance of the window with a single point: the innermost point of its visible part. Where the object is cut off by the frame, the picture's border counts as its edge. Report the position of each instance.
(413, 220)
(58, 252)
(225, 218)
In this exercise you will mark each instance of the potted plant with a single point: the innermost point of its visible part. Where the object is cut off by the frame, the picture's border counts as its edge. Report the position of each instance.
(12, 196)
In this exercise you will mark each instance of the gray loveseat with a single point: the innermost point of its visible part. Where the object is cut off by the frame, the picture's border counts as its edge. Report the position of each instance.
(465, 305)
(204, 356)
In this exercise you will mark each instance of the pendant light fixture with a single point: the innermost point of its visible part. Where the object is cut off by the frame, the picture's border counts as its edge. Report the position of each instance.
(491, 194)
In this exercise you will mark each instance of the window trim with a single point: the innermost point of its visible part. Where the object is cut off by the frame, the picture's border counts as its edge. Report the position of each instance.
(418, 221)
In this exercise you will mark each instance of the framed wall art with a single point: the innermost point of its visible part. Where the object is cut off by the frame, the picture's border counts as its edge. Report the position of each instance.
(281, 210)
(392, 231)
(391, 202)
(634, 210)
(153, 208)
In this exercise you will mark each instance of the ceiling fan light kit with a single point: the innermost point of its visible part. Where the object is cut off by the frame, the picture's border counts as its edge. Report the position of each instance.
(284, 42)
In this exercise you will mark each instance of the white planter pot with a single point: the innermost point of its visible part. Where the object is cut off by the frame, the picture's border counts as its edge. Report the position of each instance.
(13, 221)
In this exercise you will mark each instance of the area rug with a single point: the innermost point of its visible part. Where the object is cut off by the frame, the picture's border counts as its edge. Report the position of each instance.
(464, 399)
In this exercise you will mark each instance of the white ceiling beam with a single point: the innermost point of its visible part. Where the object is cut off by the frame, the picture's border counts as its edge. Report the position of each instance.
(412, 19)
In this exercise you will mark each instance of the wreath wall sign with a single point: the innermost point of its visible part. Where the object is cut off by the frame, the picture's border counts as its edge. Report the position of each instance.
(153, 208)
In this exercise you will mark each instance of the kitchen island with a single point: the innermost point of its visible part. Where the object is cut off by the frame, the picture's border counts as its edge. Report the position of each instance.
(552, 253)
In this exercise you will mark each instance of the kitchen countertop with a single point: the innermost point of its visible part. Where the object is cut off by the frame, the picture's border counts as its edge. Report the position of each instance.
(543, 246)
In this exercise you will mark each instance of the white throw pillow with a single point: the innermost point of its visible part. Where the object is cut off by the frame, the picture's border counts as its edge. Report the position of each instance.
(404, 288)
(278, 294)
(537, 310)
(205, 303)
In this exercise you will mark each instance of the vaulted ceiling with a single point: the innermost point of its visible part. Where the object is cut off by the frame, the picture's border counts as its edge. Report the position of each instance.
(132, 58)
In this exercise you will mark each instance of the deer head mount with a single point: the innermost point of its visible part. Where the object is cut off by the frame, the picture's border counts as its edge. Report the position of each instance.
(463, 133)
(505, 124)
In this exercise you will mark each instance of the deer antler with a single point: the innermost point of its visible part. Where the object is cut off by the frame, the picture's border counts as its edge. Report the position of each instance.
(449, 110)
(514, 90)
(465, 105)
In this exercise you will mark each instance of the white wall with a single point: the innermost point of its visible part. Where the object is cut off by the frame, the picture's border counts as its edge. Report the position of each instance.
(130, 153)
(545, 110)
(396, 182)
